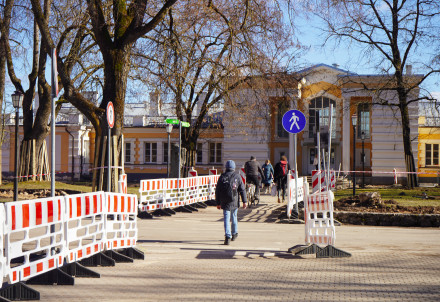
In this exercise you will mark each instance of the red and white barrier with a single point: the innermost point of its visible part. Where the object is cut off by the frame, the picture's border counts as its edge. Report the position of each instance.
(318, 215)
(122, 183)
(242, 174)
(303, 191)
(28, 232)
(152, 194)
(192, 172)
(85, 225)
(212, 171)
(318, 179)
(120, 220)
(173, 192)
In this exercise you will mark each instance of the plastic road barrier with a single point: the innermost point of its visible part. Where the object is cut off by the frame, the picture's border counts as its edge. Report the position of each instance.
(120, 220)
(2, 251)
(318, 177)
(192, 172)
(122, 183)
(151, 194)
(242, 174)
(85, 229)
(203, 188)
(303, 191)
(318, 215)
(31, 247)
(174, 189)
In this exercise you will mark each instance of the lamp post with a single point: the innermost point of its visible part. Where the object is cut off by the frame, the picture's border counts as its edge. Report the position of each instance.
(354, 123)
(17, 100)
(169, 128)
(363, 159)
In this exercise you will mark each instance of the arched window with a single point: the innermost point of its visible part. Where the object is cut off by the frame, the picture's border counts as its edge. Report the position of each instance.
(319, 115)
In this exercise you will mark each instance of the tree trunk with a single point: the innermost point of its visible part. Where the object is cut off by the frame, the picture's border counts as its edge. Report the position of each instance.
(33, 159)
(406, 136)
(2, 96)
(116, 75)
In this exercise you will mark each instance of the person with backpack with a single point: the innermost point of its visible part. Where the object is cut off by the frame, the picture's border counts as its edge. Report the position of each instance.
(253, 171)
(229, 185)
(280, 176)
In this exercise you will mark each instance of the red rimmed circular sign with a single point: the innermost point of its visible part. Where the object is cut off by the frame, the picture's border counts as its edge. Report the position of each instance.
(110, 114)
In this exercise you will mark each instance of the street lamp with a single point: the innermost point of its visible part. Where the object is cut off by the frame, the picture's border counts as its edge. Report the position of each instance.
(354, 123)
(169, 128)
(363, 159)
(17, 101)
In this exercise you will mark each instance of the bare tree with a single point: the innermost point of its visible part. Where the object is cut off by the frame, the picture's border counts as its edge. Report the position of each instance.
(203, 50)
(394, 34)
(115, 26)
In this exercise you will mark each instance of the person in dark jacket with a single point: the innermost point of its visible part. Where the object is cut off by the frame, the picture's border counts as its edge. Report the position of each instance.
(268, 174)
(252, 169)
(280, 176)
(230, 207)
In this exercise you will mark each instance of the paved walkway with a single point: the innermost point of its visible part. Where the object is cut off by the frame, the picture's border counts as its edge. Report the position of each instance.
(185, 260)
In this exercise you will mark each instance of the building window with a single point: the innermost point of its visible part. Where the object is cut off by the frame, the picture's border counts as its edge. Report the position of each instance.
(165, 152)
(128, 152)
(215, 152)
(431, 154)
(319, 109)
(199, 158)
(150, 152)
(363, 111)
(282, 108)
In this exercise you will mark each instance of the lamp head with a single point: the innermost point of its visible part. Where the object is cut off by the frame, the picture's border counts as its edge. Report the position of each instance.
(363, 135)
(17, 99)
(169, 128)
(354, 119)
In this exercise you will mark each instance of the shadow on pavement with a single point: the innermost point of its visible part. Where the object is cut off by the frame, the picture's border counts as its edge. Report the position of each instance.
(240, 253)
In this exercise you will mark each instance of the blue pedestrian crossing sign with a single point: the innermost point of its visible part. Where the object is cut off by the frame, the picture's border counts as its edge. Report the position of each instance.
(294, 121)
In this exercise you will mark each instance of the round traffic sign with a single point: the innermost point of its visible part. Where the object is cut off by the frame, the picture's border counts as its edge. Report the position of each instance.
(294, 121)
(110, 114)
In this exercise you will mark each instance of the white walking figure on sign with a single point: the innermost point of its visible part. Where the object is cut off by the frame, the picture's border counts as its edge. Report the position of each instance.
(295, 121)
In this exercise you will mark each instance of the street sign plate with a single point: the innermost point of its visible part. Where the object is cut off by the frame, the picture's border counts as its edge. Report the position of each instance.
(185, 124)
(172, 121)
(110, 114)
(294, 121)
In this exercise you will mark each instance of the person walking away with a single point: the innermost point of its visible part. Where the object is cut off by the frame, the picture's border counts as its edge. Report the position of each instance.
(229, 185)
(280, 176)
(268, 175)
(252, 168)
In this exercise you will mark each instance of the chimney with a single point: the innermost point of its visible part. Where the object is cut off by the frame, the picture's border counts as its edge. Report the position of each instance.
(335, 65)
(408, 69)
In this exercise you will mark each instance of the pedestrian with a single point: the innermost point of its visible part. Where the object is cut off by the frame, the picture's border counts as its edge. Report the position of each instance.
(229, 185)
(268, 175)
(252, 169)
(280, 176)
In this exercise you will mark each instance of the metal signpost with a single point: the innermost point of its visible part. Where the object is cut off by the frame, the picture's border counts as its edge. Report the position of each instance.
(111, 122)
(181, 124)
(294, 121)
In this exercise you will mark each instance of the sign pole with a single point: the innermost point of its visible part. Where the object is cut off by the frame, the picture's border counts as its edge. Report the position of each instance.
(111, 122)
(180, 146)
(109, 150)
(296, 173)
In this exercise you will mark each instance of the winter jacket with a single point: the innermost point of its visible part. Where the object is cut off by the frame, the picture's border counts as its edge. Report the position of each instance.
(268, 173)
(252, 167)
(230, 206)
(281, 170)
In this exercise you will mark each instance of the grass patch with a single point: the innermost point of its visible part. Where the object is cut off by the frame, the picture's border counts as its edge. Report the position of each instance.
(404, 197)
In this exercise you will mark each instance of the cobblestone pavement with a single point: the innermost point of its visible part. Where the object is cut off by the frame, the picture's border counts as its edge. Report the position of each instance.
(185, 260)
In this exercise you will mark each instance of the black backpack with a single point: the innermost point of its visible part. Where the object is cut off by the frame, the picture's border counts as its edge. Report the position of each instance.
(227, 188)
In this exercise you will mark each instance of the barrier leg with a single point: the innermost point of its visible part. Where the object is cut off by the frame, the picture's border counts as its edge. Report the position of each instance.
(145, 215)
(77, 270)
(118, 257)
(170, 211)
(133, 253)
(199, 205)
(191, 208)
(55, 276)
(331, 252)
(305, 249)
(18, 291)
(99, 259)
(161, 212)
(183, 209)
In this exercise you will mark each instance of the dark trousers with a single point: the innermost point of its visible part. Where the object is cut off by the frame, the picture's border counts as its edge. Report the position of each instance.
(253, 179)
(281, 186)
